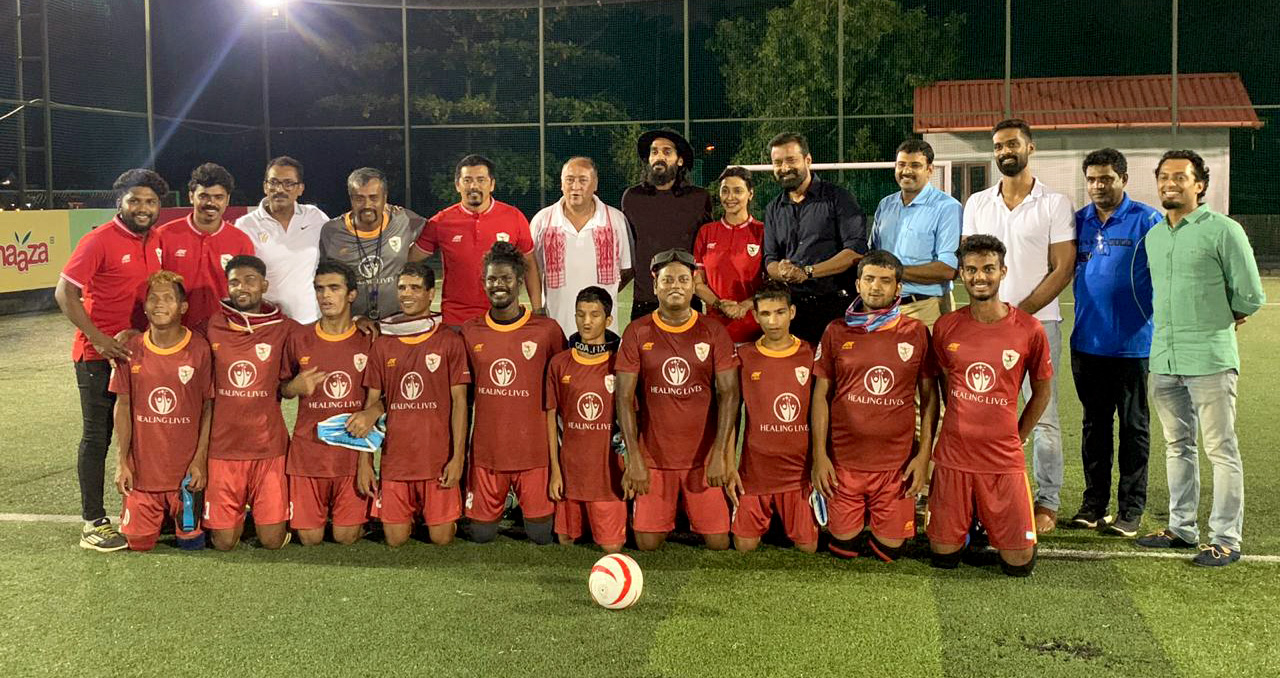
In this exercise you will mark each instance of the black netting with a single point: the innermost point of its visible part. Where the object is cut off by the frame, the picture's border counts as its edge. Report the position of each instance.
(101, 54)
(207, 62)
(91, 149)
(182, 147)
(436, 153)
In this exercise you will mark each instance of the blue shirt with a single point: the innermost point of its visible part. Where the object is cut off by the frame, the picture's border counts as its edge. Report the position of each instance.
(1113, 283)
(925, 231)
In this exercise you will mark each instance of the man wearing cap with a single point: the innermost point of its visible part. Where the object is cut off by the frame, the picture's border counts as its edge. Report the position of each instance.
(664, 211)
(814, 231)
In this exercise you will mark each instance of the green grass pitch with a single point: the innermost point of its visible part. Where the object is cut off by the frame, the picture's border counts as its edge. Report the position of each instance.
(512, 609)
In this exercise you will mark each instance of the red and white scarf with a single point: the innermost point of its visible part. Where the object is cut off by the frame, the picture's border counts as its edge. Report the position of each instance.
(553, 247)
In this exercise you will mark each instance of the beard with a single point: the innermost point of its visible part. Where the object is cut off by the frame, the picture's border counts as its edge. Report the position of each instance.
(1012, 170)
(132, 224)
(790, 180)
(659, 173)
(1171, 204)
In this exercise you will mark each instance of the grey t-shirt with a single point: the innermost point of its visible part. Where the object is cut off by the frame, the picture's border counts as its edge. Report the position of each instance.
(377, 259)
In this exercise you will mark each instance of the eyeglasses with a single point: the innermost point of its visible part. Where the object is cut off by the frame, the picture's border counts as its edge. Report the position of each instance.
(287, 184)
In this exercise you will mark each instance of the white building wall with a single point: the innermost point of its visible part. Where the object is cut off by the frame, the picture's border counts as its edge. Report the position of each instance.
(1059, 153)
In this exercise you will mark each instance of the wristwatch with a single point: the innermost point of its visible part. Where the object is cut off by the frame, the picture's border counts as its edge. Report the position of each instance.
(808, 270)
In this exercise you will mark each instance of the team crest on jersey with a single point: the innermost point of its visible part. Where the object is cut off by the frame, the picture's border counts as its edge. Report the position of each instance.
(608, 383)
(802, 375)
(528, 349)
(433, 362)
(905, 351)
(752, 249)
(185, 373)
(1009, 358)
(502, 237)
(360, 361)
(702, 349)
(262, 237)
(226, 259)
(394, 243)
(263, 351)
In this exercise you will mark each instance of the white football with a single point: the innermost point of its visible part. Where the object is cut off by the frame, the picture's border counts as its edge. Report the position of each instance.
(615, 582)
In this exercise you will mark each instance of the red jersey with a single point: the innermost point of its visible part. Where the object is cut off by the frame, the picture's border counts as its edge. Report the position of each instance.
(415, 374)
(248, 366)
(776, 388)
(675, 386)
(167, 388)
(200, 258)
(509, 366)
(985, 364)
(463, 237)
(110, 265)
(729, 257)
(580, 389)
(343, 357)
(873, 385)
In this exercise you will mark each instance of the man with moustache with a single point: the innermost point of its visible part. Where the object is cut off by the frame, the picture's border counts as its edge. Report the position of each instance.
(101, 291)
(286, 237)
(920, 225)
(1037, 226)
(373, 240)
(1110, 343)
(579, 242)
(464, 233)
(664, 211)
(1206, 285)
(814, 232)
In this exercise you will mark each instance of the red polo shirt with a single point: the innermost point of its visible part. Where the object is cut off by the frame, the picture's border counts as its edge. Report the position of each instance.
(200, 259)
(731, 265)
(110, 265)
(463, 237)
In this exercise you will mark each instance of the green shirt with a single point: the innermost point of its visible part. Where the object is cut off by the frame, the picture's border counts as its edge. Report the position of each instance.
(1202, 273)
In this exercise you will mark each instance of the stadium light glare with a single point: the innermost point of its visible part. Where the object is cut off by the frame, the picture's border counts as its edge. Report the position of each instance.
(271, 4)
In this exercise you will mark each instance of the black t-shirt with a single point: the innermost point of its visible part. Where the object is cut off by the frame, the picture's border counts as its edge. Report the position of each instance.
(659, 221)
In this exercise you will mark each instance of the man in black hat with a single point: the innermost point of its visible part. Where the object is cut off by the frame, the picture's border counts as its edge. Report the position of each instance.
(664, 211)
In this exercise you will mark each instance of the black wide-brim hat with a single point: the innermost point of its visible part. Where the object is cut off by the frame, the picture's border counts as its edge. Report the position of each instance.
(683, 149)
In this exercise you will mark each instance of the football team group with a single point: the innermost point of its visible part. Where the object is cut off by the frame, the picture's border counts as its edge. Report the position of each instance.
(784, 376)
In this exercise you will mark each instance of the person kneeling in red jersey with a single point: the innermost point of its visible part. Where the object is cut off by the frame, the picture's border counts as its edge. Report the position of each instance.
(164, 404)
(985, 350)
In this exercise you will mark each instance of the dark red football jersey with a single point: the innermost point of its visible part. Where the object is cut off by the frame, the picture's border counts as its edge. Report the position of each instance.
(580, 389)
(508, 367)
(776, 389)
(675, 385)
(873, 385)
(248, 366)
(167, 388)
(200, 258)
(415, 374)
(344, 357)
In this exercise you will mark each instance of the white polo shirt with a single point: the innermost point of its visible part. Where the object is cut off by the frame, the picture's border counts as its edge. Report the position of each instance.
(290, 254)
(1044, 218)
(579, 258)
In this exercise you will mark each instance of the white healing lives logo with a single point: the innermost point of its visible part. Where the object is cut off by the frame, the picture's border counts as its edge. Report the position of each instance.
(590, 406)
(786, 407)
(242, 373)
(337, 385)
(502, 372)
(675, 371)
(369, 266)
(878, 380)
(980, 377)
(411, 386)
(162, 400)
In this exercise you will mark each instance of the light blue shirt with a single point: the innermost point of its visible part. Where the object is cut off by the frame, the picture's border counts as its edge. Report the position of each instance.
(925, 231)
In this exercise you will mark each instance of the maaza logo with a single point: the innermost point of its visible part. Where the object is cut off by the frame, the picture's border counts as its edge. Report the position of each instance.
(23, 254)
(241, 373)
(590, 405)
(162, 400)
(337, 385)
(502, 372)
(980, 377)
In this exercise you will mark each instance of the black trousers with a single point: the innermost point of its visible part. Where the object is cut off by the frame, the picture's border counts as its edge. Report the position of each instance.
(97, 403)
(814, 313)
(1113, 387)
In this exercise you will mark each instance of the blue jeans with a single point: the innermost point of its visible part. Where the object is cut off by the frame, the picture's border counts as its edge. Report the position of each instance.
(1206, 403)
(1046, 445)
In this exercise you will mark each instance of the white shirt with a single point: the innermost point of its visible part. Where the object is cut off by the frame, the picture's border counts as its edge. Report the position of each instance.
(579, 258)
(1044, 218)
(290, 255)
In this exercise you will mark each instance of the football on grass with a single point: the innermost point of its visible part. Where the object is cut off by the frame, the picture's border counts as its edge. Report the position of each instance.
(615, 582)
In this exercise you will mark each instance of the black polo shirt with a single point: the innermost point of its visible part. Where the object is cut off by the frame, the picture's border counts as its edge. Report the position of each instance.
(809, 232)
(661, 220)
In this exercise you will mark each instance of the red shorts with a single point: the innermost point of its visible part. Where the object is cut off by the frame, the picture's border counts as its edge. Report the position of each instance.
(669, 489)
(313, 501)
(879, 493)
(235, 485)
(608, 520)
(144, 513)
(487, 493)
(1003, 501)
(403, 501)
(756, 510)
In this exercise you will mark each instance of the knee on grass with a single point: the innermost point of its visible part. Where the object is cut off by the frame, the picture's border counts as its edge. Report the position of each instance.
(716, 542)
(746, 543)
(541, 531)
(482, 533)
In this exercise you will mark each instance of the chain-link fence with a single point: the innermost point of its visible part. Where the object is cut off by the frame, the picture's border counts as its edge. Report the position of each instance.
(412, 86)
